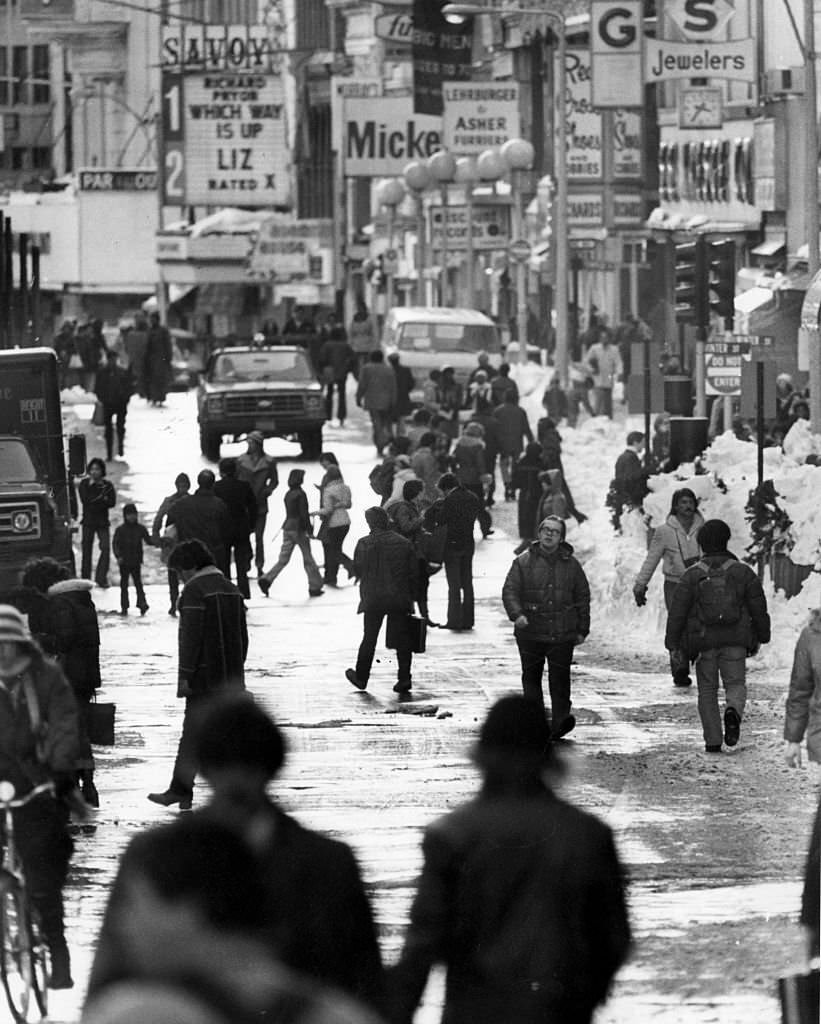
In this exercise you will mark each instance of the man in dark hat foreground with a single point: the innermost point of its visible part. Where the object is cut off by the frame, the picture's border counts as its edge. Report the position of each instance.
(521, 895)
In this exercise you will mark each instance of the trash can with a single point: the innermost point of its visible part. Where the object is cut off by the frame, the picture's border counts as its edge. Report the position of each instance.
(678, 395)
(688, 438)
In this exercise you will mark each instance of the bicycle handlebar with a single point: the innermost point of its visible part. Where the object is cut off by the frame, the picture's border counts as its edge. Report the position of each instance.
(44, 787)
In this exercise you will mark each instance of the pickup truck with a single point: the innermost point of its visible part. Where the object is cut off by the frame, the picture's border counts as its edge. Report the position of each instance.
(273, 390)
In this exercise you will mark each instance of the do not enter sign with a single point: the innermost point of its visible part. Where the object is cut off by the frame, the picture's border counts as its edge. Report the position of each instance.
(519, 249)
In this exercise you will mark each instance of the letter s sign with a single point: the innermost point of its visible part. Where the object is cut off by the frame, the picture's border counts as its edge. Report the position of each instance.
(617, 52)
(700, 20)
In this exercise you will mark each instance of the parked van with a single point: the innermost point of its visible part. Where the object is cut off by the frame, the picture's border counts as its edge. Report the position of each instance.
(430, 337)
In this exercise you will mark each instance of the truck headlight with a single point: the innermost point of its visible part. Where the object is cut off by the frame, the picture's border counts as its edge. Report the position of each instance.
(21, 522)
(215, 404)
(313, 403)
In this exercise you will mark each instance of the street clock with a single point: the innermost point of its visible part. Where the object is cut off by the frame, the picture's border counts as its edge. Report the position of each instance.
(700, 107)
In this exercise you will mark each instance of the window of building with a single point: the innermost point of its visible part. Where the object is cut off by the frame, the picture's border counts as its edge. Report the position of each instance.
(19, 71)
(41, 88)
(41, 157)
(18, 158)
(4, 77)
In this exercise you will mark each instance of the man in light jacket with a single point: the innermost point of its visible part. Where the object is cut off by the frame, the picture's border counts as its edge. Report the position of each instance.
(604, 361)
(675, 545)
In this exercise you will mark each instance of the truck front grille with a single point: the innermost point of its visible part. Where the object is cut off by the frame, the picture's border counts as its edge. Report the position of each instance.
(264, 405)
(20, 521)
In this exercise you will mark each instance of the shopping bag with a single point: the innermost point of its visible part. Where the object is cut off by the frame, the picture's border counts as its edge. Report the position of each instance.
(100, 719)
(98, 416)
(432, 544)
(799, 994)
(414, 626)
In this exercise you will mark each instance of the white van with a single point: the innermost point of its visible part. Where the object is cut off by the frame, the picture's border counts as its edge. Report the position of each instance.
(430, 337)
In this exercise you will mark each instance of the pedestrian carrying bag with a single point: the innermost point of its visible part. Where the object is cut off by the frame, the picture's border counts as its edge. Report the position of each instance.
(717, 600)
(100, 721)
(98, 416)
(417, 630)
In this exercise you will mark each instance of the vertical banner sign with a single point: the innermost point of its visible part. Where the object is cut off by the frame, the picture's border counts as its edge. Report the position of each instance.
(441, 52)
(627, 142)
(617, 53)
(224, 134)
(583, 122)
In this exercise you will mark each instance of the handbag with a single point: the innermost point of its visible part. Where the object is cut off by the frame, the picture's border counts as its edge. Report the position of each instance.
(432, 544)
(100, 723)
(799, 995)
(75, 362)
(414, 626)
(98, 416)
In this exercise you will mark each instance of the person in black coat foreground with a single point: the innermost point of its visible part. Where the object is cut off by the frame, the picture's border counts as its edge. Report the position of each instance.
(521, 895)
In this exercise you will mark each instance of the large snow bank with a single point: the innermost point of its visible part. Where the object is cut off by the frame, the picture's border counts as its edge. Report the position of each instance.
(612, 560)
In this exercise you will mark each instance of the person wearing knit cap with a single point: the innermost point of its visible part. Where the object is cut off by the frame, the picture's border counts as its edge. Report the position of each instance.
(387, 567)
(718, 617)
(521, 896)
(38, 743)
(297, 531)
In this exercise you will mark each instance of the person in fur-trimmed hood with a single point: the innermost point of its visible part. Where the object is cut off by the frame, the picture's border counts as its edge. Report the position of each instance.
(675, 545)
(547, 598)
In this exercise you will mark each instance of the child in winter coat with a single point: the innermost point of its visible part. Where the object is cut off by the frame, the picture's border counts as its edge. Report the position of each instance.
(128, 542)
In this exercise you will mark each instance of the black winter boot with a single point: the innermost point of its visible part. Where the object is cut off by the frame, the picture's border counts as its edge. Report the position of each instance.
(89, 790)
(60, 975)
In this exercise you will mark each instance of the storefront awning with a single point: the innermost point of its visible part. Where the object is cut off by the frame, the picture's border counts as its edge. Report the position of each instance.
(754, 298)
(772, 247)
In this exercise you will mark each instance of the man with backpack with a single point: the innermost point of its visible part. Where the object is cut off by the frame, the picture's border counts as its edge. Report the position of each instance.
(718, 617)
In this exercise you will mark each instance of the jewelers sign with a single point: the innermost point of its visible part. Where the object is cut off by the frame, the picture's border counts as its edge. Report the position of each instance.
(479, 115)
(224, 128)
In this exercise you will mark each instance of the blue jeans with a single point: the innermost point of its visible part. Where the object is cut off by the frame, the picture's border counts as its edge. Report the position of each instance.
(296, 539)
(731, 664)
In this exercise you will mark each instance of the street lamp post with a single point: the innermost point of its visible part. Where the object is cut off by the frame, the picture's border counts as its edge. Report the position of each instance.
(540, 18)
(518, 155)
(390, 194)
(467, 176)
(442, 166)
(417, 178)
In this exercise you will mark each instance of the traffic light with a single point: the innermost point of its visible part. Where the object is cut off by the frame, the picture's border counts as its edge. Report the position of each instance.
(721, 280)
(690, 283)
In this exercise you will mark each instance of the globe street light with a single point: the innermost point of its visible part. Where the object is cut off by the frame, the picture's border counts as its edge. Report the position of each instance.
(518, 155)
(538, 18)
(442, 166)
(390, 194)
(417, 178)
(467, 175)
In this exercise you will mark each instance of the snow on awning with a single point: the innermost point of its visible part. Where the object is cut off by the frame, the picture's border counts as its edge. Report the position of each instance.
(753, 299)
(771, 247)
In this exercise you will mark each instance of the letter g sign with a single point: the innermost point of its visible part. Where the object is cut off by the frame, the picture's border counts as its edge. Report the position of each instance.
(617, 28)
(617, 52)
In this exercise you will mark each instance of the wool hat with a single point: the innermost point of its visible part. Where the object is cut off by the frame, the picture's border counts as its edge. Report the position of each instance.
(516, 725)
(13, 625)
(714, 536)
(256, 435)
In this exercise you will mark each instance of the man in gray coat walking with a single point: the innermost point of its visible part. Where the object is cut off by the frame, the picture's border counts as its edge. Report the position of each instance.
(376, 392)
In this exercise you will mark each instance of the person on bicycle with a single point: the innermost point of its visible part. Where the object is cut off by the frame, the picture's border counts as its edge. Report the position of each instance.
(38, 743)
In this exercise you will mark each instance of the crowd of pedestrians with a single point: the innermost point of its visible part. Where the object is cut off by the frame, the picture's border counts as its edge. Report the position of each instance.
(238, 912)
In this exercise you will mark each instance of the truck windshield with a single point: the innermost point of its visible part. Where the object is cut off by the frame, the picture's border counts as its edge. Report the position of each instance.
(448, 337)
(16, 466)
(266, 365)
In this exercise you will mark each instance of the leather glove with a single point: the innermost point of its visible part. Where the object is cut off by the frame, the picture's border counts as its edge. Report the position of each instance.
(640, 596)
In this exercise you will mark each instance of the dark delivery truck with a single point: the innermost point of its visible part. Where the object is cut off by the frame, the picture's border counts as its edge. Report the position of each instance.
(37, 499)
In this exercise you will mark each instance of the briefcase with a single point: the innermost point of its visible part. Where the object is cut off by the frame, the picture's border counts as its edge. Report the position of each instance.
(100, 719)
(417, 629)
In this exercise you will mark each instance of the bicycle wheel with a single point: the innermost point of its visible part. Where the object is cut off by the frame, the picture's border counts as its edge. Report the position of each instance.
(39, 963)
(15, 958)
